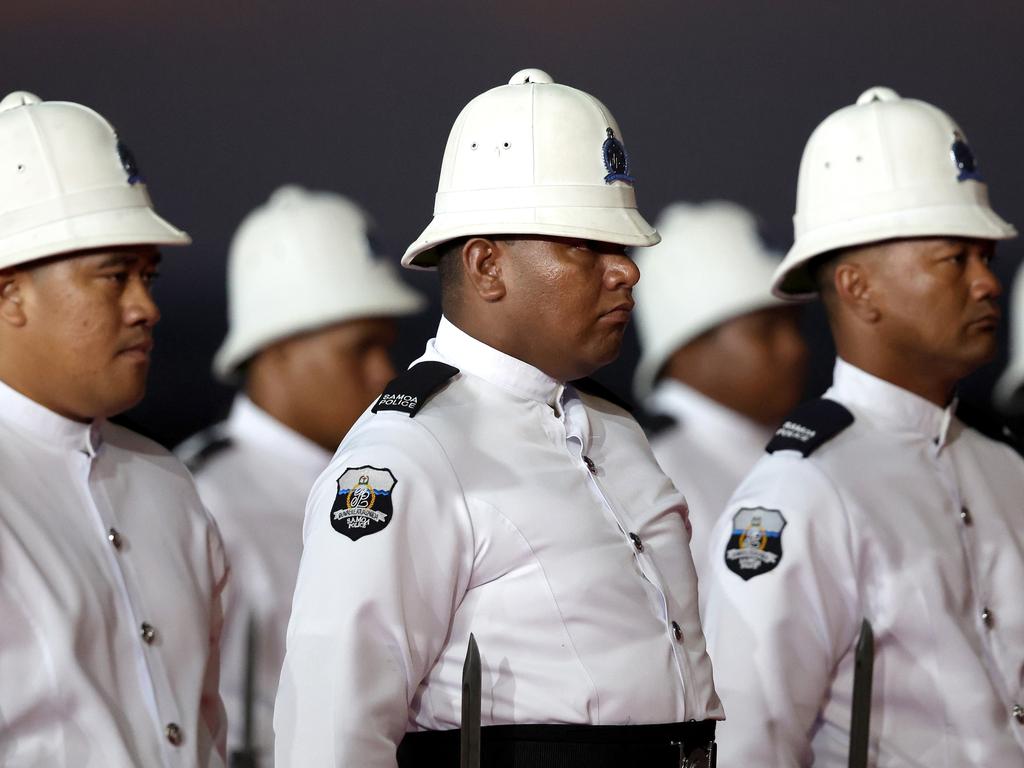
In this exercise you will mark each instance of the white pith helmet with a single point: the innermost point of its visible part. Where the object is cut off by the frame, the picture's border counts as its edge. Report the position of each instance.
(67, 183)
(709, 267)
(533, 158)
(302, 261)
(1007, 392)
(884, 168)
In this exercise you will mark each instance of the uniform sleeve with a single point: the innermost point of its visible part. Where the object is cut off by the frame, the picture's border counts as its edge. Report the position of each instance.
(211, 707)
(777, 629)
(374, 600)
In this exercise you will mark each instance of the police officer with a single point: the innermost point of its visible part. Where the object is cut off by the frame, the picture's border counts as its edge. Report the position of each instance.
(485, 493)
(722, 360)
(111, 569)
(878, 501)
(311, 322)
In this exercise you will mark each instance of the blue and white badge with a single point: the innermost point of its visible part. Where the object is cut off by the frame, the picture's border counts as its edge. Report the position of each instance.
(755, 546)
(363, 504)
(963, 159)
(616, 161)
(131, 167)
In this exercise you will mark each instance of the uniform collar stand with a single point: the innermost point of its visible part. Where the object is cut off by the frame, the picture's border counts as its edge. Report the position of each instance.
(250, 421)
(473, 356)
(704, 414)
(27, 415)
(898, 407)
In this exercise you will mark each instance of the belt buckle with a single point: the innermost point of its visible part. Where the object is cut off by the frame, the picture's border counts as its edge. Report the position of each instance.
(699, 757)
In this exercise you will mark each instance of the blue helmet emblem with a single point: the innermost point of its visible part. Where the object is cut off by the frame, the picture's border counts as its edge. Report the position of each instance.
(963, 159)
(128, 163)
(616, 162)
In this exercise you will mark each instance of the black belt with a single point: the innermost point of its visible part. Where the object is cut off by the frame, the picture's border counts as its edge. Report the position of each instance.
(668, 745)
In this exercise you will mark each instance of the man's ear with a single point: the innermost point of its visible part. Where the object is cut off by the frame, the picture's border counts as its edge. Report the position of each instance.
(854, 289)
(481, 264)
(12, 309)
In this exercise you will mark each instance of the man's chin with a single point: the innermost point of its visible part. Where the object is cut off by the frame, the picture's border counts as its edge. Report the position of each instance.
(599, 360)
(115, 403)
(977, 353)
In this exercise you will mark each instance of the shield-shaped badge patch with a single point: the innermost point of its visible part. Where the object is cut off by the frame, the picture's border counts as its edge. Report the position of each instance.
(363, 504)
(755, 546)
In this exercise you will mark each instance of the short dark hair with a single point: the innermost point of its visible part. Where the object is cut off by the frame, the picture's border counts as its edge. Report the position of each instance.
(822, 270)
(449, 271)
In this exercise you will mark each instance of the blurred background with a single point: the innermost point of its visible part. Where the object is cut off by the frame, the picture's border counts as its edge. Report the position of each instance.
(223, 101)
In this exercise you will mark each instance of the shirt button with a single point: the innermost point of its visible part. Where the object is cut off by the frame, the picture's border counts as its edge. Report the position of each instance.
(677, 632)
(965, 515)
(114, 537)
(636, 542)
(590, 465)
(1018, 713)
(174, 734)
(986, 616)
(148, 633)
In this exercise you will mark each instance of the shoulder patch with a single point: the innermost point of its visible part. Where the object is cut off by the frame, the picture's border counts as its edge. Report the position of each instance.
(654, 423)
(810, 426)
(363, 504)
(202, 446)
(989, 424)
(595, 388)
(755, 546)
(409, 391)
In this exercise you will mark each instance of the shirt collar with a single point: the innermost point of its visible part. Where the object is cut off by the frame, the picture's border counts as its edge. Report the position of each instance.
(704, 414)
(472, 356)
(26, 415)
(896, 407)
(250, 421)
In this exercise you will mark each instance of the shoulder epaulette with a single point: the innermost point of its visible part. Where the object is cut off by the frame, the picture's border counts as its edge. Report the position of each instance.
(990, 425)
(809, 426)
(653, 422)
(410, 390)
(203, 446)
(597, 389)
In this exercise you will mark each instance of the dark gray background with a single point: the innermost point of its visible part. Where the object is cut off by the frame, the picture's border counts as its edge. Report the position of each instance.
(224, 101)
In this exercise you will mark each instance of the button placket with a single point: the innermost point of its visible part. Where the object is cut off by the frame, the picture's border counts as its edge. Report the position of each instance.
(677, 631)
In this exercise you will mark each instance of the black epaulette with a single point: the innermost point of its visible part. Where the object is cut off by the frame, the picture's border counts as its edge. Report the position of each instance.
(597, 389)
(989, 424)
(809, 426)
(203, 446)
(410, 390)
(654, 423)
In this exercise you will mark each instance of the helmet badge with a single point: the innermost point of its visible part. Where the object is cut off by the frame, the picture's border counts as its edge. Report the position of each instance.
(616, 162)
(128, 163)
(963, 158)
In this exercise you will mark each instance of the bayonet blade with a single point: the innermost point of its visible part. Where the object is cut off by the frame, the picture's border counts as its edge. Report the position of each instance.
(860, 716)
(469, 753)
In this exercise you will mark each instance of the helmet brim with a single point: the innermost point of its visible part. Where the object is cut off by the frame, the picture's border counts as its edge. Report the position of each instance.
(793, 280)
(136, 225)
(622, 226)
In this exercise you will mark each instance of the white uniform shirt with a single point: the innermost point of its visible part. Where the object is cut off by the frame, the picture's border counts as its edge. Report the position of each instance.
(907, 518)
(706, 453)
(492, 524)
(256, 488)
(110, 579)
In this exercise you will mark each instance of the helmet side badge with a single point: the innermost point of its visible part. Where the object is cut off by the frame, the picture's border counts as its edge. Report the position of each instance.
(616, 162)
(128, 163)
(963, 159)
